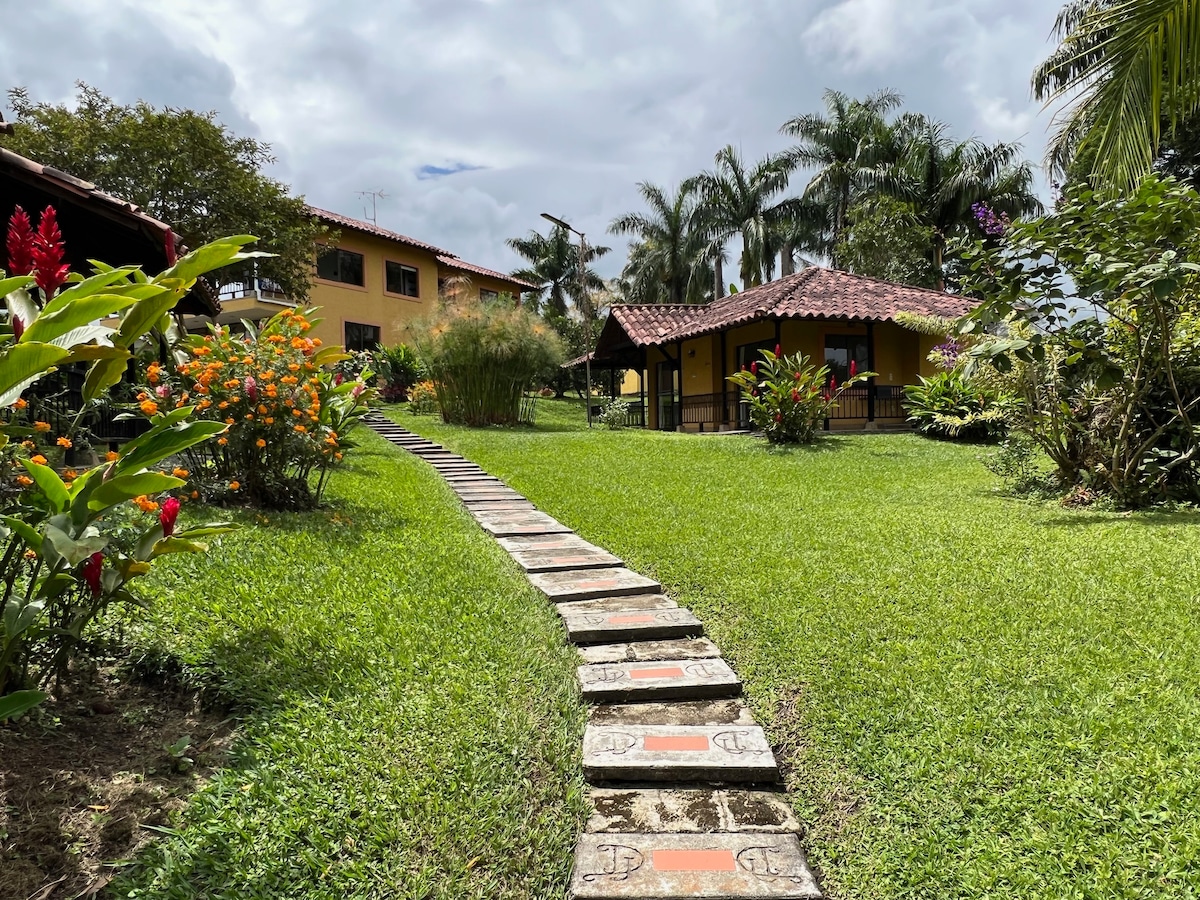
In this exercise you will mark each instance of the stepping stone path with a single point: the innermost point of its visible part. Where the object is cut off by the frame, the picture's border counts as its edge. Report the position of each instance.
(684, 782)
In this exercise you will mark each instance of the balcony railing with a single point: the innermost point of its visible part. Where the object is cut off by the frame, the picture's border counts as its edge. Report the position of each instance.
(729, 410)
(232, 290)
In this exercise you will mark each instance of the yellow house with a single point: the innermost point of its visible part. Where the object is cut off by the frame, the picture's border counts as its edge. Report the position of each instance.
(683, 354)
(371, 285)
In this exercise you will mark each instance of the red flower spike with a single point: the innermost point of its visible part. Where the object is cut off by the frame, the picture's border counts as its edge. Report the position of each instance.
(251, 388)
(19, 243)
(778, 417)
(49, 270)
(778, 350)
(18, 327)
(754, 368)
(853, 368)
(92, 568)
(169, 247)
(833, 384)
(795, 396)
(168, 515)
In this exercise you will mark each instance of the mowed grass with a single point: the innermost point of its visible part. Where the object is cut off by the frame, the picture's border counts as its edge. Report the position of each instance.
(975, 697)
(410, 725)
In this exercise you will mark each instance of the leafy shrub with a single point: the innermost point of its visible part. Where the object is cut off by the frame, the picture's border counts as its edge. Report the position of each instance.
(399, 369)
(289, 419)
(72, 541)
(615, 413)
(483, 358)
(788, 397)
(356, 365)
(950, 405)
(422, 399)
(1016, 461)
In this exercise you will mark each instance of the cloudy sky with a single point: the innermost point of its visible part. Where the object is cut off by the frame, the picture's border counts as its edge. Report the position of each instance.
(473, 116)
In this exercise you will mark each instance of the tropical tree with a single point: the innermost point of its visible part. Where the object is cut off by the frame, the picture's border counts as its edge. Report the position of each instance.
(554, 268)
(736, 200)
(846, 146)
(942, 179)
(180, 166)
(1130, 73)
(667, 263)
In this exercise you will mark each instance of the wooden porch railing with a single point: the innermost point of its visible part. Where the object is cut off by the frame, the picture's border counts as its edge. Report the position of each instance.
(727, 409)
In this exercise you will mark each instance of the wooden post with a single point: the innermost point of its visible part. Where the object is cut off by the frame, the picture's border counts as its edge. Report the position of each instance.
(870, 368)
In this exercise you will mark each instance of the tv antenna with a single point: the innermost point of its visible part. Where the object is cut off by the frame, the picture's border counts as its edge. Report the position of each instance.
(375, 197)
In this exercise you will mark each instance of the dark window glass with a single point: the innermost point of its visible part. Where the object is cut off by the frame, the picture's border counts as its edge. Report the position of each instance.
(487, 296)
(361, 337)
(840, 349)
(402, 280)
(341, 265)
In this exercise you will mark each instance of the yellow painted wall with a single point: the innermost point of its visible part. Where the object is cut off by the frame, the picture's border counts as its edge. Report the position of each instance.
(698, 360)
(897, 354)
(927, 343)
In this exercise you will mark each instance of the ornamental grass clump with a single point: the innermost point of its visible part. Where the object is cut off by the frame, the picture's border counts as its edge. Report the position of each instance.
(789, 397)
(482, 358)
(288, 416)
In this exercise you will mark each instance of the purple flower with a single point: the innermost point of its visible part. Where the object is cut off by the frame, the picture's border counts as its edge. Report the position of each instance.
(992, 224)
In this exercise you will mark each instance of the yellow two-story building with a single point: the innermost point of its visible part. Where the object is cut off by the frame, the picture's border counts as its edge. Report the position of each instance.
(371, 285)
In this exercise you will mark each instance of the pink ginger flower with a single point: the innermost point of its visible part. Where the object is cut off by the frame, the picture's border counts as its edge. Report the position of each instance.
(19, 243)
(251, 388)
(49, 270)
(92, 568)
(168, 515)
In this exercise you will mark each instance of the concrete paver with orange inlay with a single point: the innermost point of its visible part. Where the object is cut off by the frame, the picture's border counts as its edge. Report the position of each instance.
(635, 682)
(678, 753)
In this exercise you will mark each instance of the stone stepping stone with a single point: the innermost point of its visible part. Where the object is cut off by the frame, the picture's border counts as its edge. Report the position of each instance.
(466, 491)
(592, 583)
(568, 541)
(690, 866)
(558, 560)
(690, 811)
(629, 625)
(643, 651)
(472, 477)
(639, 682)
(505, 506)
(684, 712)
(616, 604)
(678, 753)
(506, 523)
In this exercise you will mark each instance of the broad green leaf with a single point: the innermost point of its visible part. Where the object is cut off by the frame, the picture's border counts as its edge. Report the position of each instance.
(126, 487)
(18, 616)
(83, 311)
(145, 315)
(88, 287)
(19, 702)
(208, 530)
(103, 375)
(72, 550)
(14, 283)
(49, 484)
(85, 334)
(209, 257)
(161, 442)
(24, 363)
(177, 545)
(21, 304)
(25, 530)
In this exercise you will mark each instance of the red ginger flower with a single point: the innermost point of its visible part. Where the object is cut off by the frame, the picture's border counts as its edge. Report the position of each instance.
(778, 350)
(251, 388)
(169, 247)
(833, 384)
(19, 243)
(168, 515)
(853, 368)
(795, 396)
(778, 417)
(49, 270)
(92, 568)
(754, 368)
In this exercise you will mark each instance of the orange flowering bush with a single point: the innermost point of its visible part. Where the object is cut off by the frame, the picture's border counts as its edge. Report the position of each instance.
(288, 416)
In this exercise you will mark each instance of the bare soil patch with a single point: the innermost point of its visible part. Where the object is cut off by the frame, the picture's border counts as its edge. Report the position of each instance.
(87, 778)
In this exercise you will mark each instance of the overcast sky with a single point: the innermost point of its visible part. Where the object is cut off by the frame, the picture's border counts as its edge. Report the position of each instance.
(473, 116)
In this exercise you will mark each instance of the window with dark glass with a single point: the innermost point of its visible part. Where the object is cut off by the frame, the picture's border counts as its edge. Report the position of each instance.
(487, 296)
(402, 279)
(345, 266)
(361, 337)
(840, 349)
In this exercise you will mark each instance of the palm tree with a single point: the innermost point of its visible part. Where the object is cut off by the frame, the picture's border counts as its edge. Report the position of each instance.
(846, 145)
(942, 179)
(666, 263)
(554, 268)
(734, 200)
(1132, 66)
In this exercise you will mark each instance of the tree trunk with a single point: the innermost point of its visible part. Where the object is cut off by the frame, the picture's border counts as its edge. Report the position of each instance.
(787, 265)
(718, 278)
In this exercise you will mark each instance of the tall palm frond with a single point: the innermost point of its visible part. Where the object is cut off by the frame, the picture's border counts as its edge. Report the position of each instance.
(661, 262)
(554, 269)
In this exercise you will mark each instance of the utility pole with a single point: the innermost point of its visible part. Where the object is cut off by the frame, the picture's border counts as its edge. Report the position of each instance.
(585, 309)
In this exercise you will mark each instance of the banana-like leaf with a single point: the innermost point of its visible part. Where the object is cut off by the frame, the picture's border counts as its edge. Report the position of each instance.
(73, 550)
(208, 530)
(211, 256)
(102, 376)
(177, 545)
(126, 487)
(85, 334)
(95, 284)
(24, 363)
(15, 283)
(161, 442)
(21, 304)
(18, 616)
(25, 530)
(328, 356)
(84, 311)
(145, 315)
(19, 702)
(49, 484)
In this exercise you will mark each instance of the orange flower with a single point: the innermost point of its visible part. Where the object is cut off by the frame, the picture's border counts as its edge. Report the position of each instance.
(64, 442)
(229, 421)
(250, 417)
(41, 426)
(295, 367)
(149, 407)
(70, 474)
(337, 456)
(20, 404)
(233, 485)
(223, 404)
(38, 459)
(24, 480)
(112, 456)
(300, 428)
(195, 495)
(260, 443)
(152, 373)
(223, 441)
(180, 473)
(270, 420)
(144, 503)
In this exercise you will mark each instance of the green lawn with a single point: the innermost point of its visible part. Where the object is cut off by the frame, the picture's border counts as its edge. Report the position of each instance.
(410, 721)
(975, 697)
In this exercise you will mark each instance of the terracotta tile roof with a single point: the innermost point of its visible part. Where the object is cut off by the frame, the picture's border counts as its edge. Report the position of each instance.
(814, 293)
(359, 225)
(651, 323)
(461, 265)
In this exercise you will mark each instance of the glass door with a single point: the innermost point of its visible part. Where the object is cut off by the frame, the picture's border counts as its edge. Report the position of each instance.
(667, 384)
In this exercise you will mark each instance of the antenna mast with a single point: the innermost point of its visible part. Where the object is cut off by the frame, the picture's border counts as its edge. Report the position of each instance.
(375, 196)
